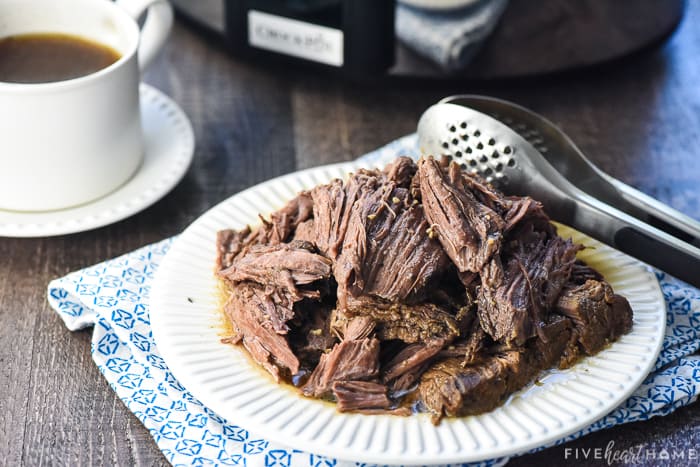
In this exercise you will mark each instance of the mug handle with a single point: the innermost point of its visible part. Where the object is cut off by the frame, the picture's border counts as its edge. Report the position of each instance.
(155, 29)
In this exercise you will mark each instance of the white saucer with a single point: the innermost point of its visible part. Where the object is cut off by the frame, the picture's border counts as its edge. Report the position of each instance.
(169, 147)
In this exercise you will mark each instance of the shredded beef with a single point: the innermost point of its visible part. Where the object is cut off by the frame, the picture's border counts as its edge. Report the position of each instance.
(355, 358)
(360, 395)
(256, 319)
(401, 171)
(485, 193)
(556, 343)
(475, 342)
(335, 203)
(415, 286)
(386, 251)
(520, 285)
(411, 357)
(582, 272)
(519, 209)
(310, 333)
(451, 388)
(408, 323)
(359, 327)
(282, 223)
(305, 232)
(229, 244)
(332, 207)
(387, 254)
(470, 232)
(284, 265)
(348, 360)
(599, 316)
(407, 382)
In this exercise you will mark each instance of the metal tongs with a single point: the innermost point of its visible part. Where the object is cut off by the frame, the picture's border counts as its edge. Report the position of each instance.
(487, 136)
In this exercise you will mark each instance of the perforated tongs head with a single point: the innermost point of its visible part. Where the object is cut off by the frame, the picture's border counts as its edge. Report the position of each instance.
(572, 163)
(484, 145)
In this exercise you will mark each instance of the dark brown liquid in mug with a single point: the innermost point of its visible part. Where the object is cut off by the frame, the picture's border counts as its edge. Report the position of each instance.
(43, 58)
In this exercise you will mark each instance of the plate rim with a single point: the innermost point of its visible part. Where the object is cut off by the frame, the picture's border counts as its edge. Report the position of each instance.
(349, 453)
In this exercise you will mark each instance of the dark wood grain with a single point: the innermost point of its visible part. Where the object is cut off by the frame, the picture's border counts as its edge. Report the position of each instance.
(639, 119)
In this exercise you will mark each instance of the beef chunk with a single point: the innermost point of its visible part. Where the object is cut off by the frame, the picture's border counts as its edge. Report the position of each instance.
(453, 389)
(387, 253)
(232, 243)
(519, 209)
(275, 308)
(621, 313)
(331, 215)
(475, 342)
(469, 231)
(334, 204)
(310, 334)
(401, 171)
(251, 312)
(229, 244)
(284, 265)
(485, 193)
(555, 343)
(350, 360)
(505, 302)
(283, 272)
(553, 269)
(376, 234)
(581, 273)
(283, 222)
(519, 286)
(401, 261)
(358, 328)
(305, 232)
(360, 395)
(406, 383)
(599, 316)
(571, 353)
(411, 357)
(408, 323)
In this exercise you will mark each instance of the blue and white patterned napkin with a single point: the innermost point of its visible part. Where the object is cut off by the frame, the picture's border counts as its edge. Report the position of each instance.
(449, 38)
(113, 298)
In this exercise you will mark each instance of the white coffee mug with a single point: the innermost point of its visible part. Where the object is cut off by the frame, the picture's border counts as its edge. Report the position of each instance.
(67, 143)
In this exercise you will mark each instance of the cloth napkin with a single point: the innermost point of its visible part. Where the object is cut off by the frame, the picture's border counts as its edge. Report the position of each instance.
(450, 38)
(113, 298)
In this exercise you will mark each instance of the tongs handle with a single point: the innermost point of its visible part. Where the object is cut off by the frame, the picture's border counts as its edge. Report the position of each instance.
(660, 215)
(638, 239)
(684, 265)
(567, 158)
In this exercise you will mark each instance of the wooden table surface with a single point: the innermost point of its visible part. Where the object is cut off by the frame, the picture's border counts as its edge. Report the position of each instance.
(639, 119)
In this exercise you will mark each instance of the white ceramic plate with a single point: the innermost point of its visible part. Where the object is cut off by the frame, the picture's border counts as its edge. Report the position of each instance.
(168, 150)
(187, 326)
